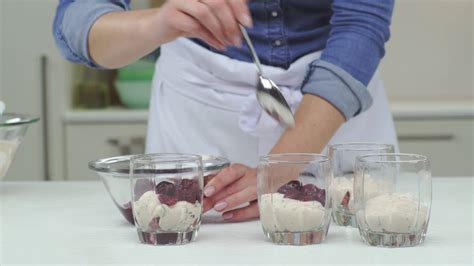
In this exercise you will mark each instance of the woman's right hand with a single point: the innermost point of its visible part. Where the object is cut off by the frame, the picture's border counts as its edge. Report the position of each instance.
(214, 21)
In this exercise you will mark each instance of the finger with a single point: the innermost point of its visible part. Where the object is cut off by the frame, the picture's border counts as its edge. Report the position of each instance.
(205, 35)
(207, 204)
(233, 188)
(202, 13)
(225, 177)
(242, 214)
(223, 11)
(192, 28)
(244, 196)
(241, 12)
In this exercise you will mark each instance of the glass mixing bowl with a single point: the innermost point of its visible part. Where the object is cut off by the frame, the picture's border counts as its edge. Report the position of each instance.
(13, 128)
(115, 171)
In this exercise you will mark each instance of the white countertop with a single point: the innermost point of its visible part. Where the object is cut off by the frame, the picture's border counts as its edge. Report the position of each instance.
(76, 222)
(400, 110)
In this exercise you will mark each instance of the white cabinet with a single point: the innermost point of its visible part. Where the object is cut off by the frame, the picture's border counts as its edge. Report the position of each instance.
(449, 143)
(86, 142)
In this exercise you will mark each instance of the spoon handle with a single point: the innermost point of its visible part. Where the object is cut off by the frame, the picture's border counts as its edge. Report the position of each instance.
(252, 49)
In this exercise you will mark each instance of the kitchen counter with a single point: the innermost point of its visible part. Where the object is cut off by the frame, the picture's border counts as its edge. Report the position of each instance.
(76, 222)
(399, 109)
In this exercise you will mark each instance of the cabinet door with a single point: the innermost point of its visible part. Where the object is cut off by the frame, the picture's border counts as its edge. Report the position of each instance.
(448, 143)
(85, 143)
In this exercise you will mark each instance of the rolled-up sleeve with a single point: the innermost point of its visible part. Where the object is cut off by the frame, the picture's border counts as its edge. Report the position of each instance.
(73, 21)
(359, 31)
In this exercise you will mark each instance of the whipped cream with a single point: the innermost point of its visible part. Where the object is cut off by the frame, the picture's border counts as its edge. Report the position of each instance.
(394, 213)
(7, 151)
(372, 188)
(279, 214)
(177, 218)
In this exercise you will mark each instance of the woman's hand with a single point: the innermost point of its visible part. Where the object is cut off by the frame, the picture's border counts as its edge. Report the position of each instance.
(214, 21)
(232, 187)
(120, 38)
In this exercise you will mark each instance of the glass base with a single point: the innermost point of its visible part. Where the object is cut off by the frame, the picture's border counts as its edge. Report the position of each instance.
(158, 238)
(344, 219)
(392, 239)
(297, 238)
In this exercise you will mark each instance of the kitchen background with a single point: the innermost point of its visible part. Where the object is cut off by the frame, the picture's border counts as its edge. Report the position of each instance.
(89, 114)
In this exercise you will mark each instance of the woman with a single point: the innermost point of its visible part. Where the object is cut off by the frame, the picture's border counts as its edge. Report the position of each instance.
(323, 55)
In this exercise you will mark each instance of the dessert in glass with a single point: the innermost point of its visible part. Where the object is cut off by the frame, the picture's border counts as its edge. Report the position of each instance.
(114, 173)
(399, 217)
(167, 207)
(292, 199)
(343, 158)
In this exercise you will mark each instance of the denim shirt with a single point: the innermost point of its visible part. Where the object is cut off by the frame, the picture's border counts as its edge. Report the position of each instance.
(351, 34)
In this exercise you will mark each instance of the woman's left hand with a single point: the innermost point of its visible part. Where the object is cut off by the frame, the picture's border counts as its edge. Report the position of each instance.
(232, 187)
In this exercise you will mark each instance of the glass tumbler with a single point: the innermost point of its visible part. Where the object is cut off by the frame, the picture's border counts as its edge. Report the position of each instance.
(398, 217)
(166, 197)
(292, 199)
(343, 157)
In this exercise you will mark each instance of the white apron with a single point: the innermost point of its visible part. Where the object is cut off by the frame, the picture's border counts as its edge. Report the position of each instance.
(204, 103)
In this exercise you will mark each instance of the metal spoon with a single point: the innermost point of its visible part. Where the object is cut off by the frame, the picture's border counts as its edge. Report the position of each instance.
(268, 94)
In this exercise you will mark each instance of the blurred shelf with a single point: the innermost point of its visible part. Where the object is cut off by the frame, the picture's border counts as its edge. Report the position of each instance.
(432, 109)
(105, 116)
(400, 110)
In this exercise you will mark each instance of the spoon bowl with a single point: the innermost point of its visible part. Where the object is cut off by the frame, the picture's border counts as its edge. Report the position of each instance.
(269, 96)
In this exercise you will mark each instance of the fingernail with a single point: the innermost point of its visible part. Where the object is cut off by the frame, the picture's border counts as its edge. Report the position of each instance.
(220, 206)
(236, 40)
(227, 216)
(209, 191)
(246, 20)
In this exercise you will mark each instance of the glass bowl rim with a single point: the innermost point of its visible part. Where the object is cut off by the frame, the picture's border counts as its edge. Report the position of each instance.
(412, 158)
(23, 119)
(166, 158)
(210, 163)
(351, 146)
(312, 158)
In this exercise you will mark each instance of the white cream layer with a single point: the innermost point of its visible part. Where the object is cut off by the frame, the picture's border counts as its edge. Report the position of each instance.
(279, 214)
(394, 213)
(7, 151)
(177, 218)
(372, 188)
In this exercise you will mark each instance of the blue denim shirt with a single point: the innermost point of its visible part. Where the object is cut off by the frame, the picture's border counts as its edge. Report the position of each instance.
(351, 33)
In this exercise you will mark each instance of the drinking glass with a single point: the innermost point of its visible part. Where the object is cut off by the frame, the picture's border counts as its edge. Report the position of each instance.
(343, 156)
(166, 197)
(399, 216)
(293, 203)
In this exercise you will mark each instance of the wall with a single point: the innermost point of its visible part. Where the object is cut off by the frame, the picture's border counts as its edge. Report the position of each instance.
(430, 54)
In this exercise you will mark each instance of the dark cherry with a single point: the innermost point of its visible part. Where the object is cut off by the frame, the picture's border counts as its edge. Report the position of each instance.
(309, 192)
(126, 211)
(321, 196)
(293, 194)
(165, 188)
(345, 200)
(313, 193)
(166, 193)
(188, 190)
(293, 185)
(168, 200)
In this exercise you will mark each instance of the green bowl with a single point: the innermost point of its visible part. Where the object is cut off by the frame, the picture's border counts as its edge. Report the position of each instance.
(134, 94)
(140, 70)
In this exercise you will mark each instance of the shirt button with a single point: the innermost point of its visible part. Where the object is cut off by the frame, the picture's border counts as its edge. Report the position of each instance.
(277, 43)
(274, 14)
